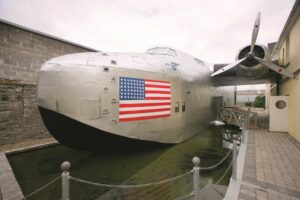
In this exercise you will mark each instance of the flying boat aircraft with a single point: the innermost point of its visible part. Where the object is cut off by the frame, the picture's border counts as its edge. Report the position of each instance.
(112, 100)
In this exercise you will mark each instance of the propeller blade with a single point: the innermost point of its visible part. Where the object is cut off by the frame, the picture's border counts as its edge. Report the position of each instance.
(275, 68)
(227, 67)
(255, 32)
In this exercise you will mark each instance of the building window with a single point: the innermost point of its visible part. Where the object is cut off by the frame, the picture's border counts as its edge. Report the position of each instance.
(287, 51)
(283, 56)
(280, 104)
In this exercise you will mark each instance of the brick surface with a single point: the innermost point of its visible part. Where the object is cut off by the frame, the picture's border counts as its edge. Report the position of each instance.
(273, 164)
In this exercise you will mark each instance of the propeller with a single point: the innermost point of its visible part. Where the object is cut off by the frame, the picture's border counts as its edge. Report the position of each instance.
(252, 56)
(255, 32)
(228, 67)
(275, 68)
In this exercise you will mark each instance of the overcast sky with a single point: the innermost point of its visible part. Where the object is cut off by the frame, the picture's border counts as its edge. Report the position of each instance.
(212, 30)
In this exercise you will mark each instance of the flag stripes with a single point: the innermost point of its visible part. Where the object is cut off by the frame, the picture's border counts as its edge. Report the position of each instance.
(142, 99)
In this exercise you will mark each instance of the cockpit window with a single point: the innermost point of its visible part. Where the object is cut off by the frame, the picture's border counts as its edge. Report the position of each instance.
(150, 51)
(163, 51)
(200, 62)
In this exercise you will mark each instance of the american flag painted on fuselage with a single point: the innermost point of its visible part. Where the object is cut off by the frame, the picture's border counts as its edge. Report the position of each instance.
(142, 99)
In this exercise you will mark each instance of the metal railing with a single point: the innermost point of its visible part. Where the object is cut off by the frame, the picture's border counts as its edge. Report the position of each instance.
(237, 116)
(66, 177)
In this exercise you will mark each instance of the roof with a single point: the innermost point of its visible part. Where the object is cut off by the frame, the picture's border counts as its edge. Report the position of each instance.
(46, 35)
(294, 14)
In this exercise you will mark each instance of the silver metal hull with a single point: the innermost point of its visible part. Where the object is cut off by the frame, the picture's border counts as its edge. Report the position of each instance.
(89, 94)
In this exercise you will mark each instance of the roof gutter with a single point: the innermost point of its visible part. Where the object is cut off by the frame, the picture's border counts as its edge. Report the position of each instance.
(47, 35)
(295, 12)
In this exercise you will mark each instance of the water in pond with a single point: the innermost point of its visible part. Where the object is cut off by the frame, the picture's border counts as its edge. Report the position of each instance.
(36, 168)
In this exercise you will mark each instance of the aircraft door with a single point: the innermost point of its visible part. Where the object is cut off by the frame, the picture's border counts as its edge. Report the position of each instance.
(279, 113)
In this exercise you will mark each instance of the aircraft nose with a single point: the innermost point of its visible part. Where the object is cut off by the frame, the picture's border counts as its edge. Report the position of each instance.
(69, 90)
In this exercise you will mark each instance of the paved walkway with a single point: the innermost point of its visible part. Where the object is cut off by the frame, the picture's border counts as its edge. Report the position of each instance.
(272, 167)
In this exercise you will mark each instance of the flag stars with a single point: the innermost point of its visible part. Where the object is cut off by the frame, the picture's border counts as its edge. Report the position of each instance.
(132, 89)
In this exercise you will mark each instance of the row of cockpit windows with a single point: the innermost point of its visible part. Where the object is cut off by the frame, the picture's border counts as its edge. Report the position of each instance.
(163, 51)
(170, 52)
(200, 62)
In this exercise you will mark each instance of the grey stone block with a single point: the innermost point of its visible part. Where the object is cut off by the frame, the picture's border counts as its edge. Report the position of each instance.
(21, 55)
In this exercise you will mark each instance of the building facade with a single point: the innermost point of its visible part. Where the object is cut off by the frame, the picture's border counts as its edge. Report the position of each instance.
(287, 52)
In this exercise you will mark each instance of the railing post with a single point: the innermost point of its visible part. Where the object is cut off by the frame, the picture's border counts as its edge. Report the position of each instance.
(196, 176)
(234, 161)
(243, 130)
(65, 166)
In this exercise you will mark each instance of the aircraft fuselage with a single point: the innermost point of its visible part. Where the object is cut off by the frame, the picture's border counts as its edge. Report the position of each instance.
(156, 97)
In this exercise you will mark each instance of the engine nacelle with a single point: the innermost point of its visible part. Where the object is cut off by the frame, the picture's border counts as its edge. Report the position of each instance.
(250, 67)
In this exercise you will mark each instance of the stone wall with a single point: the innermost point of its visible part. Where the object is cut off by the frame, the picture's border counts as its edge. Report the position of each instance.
(11, 113)
(22, 52)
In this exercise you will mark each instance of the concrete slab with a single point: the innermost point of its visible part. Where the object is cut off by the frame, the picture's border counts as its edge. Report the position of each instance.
(10, 188)
(213, 192)
(235, 185)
